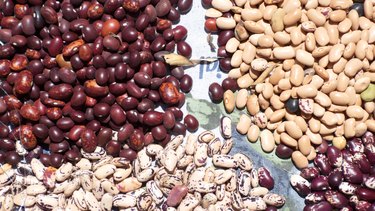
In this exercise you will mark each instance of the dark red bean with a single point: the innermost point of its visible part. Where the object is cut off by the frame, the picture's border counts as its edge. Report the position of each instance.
(169, 93)
(366, 194)
(184, 6)
(265, 178)
(7, 144)
(321, 161)
(142, 79)
(173, 15)
(159, 132)
(128, 154)
(186, 83)
(184, 49)
(113, 147)
(309, 173)
(55, 134)
(215, 92)
(162, 8)
(169, 120)
(352, 173)
(153, 118)
(335, 178)
(179, 129)
(179, 33)
(191, 123)
(12, 158)
(321, 206)
(319, 183)
(224, 36)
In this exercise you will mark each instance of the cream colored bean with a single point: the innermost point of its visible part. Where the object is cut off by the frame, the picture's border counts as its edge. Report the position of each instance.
(349, 37)
(243, 124)
(329, 119)
(337, 15)
(339, 98)
(336, 52)
(284, 52)
(345, 25)
(321, 36)
(315, 138)
(229, 101)
(253, 133)
(360, 51)
(292, 17)
(352, 67)
(314, 125)
(349, 124)
(267, 140)
(251, 14)
(360, 129)
(343, 82)
(241, 99)
(232, 45)
(321, 51)
(244, 81)
(267, 91)
(307, 91)
(293, 130)
(361, 84)
(339, 66)
(333, 34)
(299, 160)
(265, 41)
(277, 115)
(322, 99)
(364, 23)
(310, 43)
(213, 13)
(301, 123)
(276, 102)
(287, 140)
(284, 84)
(304, 57)
(248, 54)
(225, 23)
(236, 59)
(277, 20)
(356, 112)
(304, 145)
(340, 4)
(254, 27)
(370, 125)
(354, 18)
(282, 38)
(296, 36)
(311, 4)
(316, 17)
(269, 10)
(222, 5)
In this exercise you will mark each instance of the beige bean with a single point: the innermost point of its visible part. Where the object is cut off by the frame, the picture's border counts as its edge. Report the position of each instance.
(360, 51)
(314, 125)
(339, 66)
(267, 140)
(296, 75)
(361, 84)
(222, 5)
(315, 138)
(321, 36)
(293, 130)
(316, 81)
(299, 160)
(267, 91)
(301, 123)
(292, 17)
(322, 99)
(364, 23)
(371, 38)
(345, 25)
(284, 52)
(336, 52)
(312, 154)
(349, 37)
(342, 82)
(269, 10)
(276, 102)
(252, 105)
(244, 81)
(308, 26)
(307, 91)
(349, 126)
(329, 119)
(236, 59)
(340, 4)
(304, 145)
(287, 140)
(284, 84)
(277, 116)
(316, 17)
(333, 34)
(339, 98)
(282, 38)
(265, 41)
(241, 98)
(337, 15)
(304, 57)
(277, 20)
(354, 18)
(356, 112)
(213, 13)
(243, 124)
(254, 27)
(370, 123)
(310, 43)
(232, 45)
(360, 129)
(248, 54)
(225, 23)
(321, 51)
(229, 101)
(296, 36)
(320, 71)
(285, 95)
(251, 14)
(253, 133)
(353, 97)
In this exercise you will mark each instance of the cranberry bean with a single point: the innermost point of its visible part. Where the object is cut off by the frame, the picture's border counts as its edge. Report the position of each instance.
(321, 161)
(265, 178)
(309, 173)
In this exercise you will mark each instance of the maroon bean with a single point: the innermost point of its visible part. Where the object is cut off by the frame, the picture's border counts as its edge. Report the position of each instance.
(158, 44)
(321, 162)
(363, 163)
(142, 79)
(366, 194)
(117, 114)
(159, 132)
(128, 154)
(23, 82)
(319, 183)
(184, 6)
(184, 49)
(61, 92)
(162, 8)
(5, 35)
(335, 178)
(265, 178)
(355, 145)
(4, 131)
(75, 133)
(153, 118)
(145, 105)
(169, 93)
(186, 83)
(40, 131)
(179, 129)
(7, 144)
(113, 147)
(334, 156)
(191, 123)
(28, 26)
(215, 92)
(55, 134)
(59, 147)
(224, 36)
(225, 65)
(136, 140)
(12, 158)
(321, 206)
(65, 123)
(56, 160)
(49, 14)
(336, 199)
(352, 173)
(179, 33)
(309, 173)
(169, 120)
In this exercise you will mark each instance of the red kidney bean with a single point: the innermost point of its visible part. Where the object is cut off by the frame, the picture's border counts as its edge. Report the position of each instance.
(265, 178)
(152, 118)
(169, 93)
(352, 173)
(335, 178)
(159, 132)
(169, 120)
(334, 156)
(210, 25)
(113, 147)
(309, 173)
(366, 194)
(321, 161)
(319, 183)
